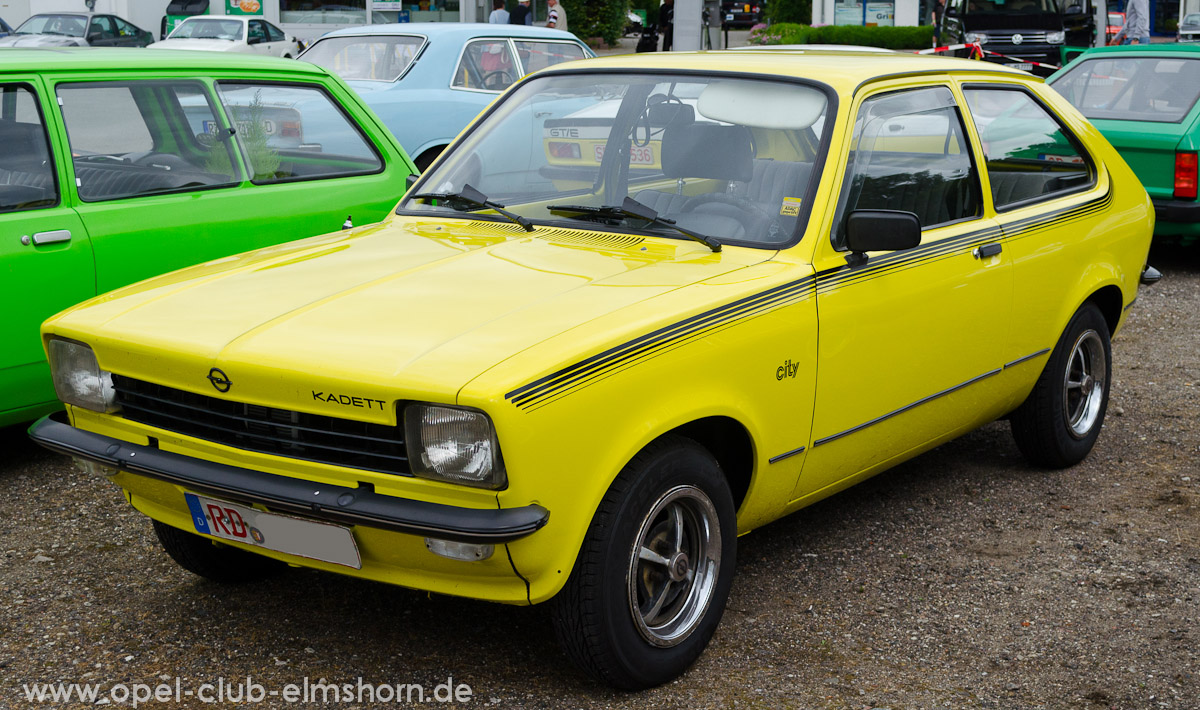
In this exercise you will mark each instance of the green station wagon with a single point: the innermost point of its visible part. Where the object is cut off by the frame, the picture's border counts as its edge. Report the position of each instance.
(1143, 98)
(114, 169)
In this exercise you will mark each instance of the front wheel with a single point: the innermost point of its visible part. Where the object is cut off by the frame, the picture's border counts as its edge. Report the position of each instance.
(1059, 422)
(650, 583)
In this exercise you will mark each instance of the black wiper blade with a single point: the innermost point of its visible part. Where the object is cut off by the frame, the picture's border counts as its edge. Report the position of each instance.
(470, 196)
(632, 208)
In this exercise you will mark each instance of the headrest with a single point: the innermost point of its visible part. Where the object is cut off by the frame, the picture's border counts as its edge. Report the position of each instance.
(708, 150)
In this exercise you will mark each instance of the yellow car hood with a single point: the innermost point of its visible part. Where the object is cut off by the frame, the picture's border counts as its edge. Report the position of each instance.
(420, 307)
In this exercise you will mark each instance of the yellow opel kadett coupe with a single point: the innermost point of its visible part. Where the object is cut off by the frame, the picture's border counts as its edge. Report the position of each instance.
(643, 306)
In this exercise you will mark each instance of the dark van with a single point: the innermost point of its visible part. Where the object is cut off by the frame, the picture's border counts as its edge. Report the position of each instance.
(1020, 32)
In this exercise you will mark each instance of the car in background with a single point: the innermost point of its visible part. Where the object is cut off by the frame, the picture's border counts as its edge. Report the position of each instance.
(582, 394)
(741, 14)
(1143, 98)
(1116, 20)
(5, 28)
(77, 29)
(1189, 28)
(114, 170)
(428, 80)
(245, 35)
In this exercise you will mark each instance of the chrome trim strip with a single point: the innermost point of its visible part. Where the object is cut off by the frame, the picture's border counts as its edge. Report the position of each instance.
(1130, 304)
(785, 455)
(906, 407)
(1020, 360)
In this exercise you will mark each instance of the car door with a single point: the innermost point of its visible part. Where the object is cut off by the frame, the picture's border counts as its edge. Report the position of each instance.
(102, 32)
(910, 341)
(256, 36)
(279, 42)
(130, 35)
(46, 262)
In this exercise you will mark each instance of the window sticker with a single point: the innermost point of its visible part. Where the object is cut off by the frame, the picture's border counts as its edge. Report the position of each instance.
(791, 206)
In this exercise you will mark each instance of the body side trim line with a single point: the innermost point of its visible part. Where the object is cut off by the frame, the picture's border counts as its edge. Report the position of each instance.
(786, 455)
(1031, 356)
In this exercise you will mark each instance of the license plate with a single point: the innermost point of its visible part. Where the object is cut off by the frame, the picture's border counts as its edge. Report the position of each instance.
(1023, 66)
(268, 126)
(638, 154)
(729, 17)
(325, 542)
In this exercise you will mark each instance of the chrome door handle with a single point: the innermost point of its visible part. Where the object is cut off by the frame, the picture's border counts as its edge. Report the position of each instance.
(986, 250)
(57, 235)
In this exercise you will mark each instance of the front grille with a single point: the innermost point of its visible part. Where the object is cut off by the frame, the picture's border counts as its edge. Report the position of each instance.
(1007, 37)
(311, 437)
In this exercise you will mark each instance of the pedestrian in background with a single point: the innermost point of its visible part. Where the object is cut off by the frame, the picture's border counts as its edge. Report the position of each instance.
(521, 15)
(558, 16)
(666, 21)
(1136, 29)
(499, 15)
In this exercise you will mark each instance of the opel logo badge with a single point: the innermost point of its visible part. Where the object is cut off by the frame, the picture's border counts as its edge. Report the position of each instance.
(1017, 39)
(219, 380)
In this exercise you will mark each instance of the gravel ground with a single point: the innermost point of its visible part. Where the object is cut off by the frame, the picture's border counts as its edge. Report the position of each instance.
(961, 579)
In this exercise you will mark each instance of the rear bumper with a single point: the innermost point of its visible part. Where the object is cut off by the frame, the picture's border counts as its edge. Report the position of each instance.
(1177, 211)
(317, 501)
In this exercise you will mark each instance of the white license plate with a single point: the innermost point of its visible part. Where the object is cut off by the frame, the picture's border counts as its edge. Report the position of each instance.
(729, 17)
(638, 154)
(1023, 66)
(304, 538)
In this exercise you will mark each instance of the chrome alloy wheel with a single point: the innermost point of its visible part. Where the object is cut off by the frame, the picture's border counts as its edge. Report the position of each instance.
(1083, 384)
(673, 566)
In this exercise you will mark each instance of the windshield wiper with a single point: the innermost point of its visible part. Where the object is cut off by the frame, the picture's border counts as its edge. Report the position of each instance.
(474, 198)
(636, 210)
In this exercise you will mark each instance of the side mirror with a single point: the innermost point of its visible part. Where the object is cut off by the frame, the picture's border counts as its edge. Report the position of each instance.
(411, 180)
(951, 11)
(880, 230)
(1074, 10)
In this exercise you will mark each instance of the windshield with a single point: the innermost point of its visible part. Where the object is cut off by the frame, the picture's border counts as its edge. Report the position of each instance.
(208, 29)
(731, 159)
(1192, 19)
(1012, 7)
(1156, 89)
(66, 25)
(376, 58)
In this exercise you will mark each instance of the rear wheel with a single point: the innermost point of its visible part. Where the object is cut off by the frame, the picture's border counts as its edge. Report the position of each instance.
(1058, 424)
(212, 560)
(650, 583)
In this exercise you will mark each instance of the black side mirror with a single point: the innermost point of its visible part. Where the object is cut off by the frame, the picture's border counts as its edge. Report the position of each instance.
(880, 230)
(411, 180)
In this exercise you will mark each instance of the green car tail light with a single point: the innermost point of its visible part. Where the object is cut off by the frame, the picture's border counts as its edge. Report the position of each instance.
(1185, 175)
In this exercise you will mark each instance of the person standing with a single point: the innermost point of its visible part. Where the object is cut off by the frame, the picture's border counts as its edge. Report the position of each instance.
(558, 16)
(1137, 24)
(521, 14)
(499, 15)
(666, 20)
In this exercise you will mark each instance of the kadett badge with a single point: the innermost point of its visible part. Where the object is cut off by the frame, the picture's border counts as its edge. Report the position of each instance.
(219, 380)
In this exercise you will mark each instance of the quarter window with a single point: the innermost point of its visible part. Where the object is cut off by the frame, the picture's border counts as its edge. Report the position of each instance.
(539, 55)
(378, 58)
(288, 132)
(144, 138)
(488, 65)
(910, 153)
(275, 34)
(1030, 155)
(26, 168)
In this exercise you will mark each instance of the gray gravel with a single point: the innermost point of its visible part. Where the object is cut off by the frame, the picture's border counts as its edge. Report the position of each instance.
(961, 579)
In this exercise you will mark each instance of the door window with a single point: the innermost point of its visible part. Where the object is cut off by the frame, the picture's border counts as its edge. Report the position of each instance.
(1030, 155)
(909, 153)
(539, 55)
(486, 65)
(257, 33)
(274, 33)
(124, 29)
(290, 132)
(101, 27)
(144, 138)
(27, 179)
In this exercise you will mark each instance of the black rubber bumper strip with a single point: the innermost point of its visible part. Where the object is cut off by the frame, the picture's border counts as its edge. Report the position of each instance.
(1176, 211)
(318, 501)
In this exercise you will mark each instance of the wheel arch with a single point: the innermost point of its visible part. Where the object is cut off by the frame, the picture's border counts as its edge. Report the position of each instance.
(730, 444)
(1110, 300)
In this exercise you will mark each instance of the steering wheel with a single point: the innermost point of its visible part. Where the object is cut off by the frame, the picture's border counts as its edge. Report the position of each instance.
(497, 80)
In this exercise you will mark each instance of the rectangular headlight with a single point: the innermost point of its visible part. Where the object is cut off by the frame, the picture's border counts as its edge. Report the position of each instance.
(1056, 37)
(975, 38)
(453, 444)
(78, 379)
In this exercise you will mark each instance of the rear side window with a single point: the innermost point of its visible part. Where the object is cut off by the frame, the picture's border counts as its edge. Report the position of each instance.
(487, 65)
(143, 138)
(291, 132)
(1030, 155)
(27, 180)
(539, 55)
(1157, 89)
(910, 153)
(382, 58)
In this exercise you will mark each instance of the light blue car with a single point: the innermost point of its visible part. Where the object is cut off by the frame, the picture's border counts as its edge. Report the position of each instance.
(428, 80)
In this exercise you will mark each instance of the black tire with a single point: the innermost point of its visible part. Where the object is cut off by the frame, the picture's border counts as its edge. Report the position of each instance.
(600, 616)
(1059, 422)
(220, 563)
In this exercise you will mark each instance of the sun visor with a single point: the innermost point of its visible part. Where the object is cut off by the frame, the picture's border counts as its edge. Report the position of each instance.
(761, 104)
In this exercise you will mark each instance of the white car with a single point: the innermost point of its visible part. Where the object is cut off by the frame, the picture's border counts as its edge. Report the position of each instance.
(231, 34)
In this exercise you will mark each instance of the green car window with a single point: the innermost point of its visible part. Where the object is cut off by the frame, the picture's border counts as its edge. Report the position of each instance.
(139, 138)
(1030, 155)
(1156, 89)
(26, 170)
(291, 132)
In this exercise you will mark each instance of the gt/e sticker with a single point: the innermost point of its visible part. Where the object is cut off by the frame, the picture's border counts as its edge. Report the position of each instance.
(791, 207)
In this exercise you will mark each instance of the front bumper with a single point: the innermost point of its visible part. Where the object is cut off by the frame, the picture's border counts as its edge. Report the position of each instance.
(316, 501)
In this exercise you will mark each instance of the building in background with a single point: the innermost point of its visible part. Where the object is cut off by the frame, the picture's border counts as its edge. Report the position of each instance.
(887, 13)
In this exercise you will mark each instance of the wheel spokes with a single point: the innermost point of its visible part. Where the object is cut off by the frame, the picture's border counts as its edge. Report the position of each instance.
(645, 553)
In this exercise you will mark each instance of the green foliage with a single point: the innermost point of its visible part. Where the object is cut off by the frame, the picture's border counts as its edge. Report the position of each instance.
(252, 132)
(605, 19)
(796, 11)
(650, 6)
(885, 37)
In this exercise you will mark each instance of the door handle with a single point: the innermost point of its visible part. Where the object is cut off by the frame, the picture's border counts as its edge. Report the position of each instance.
(986, 250)
(57, 235)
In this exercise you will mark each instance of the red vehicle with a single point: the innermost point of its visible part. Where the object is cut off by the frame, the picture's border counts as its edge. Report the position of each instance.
(1116, 20)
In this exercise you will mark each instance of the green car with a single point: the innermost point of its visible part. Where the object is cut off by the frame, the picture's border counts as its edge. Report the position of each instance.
(114, 169)
(1143, 99)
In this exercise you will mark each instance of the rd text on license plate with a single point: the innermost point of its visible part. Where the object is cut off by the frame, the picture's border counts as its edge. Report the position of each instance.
(638, 154)
(1023, 66)
(304, 538)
